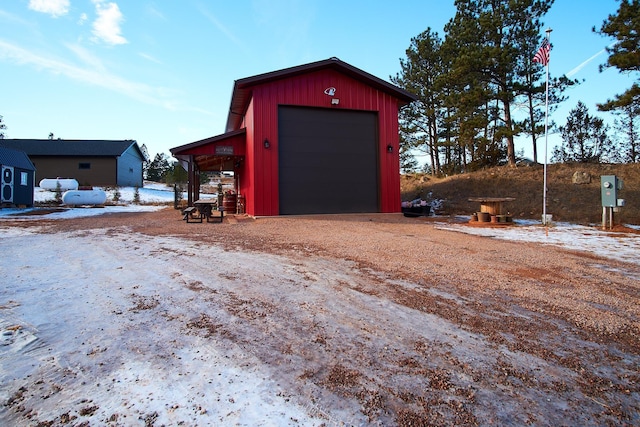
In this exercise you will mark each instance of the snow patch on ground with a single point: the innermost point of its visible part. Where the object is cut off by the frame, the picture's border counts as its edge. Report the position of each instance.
(619, 246)
(153, 196)
(120, 328)
(82, 316)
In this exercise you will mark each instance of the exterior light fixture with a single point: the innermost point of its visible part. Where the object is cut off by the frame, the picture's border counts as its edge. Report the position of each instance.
(335, 101)
(266, 143)
(389, 148)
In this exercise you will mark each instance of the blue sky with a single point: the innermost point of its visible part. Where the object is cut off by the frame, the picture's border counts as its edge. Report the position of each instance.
(161, 72)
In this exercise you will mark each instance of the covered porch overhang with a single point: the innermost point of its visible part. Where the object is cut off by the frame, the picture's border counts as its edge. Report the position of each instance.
(219, 153)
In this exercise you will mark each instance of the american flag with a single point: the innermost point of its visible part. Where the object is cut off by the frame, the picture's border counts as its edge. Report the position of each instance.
(542, 56)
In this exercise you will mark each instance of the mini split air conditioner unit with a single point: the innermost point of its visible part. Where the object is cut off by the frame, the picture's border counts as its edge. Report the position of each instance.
(6, 192)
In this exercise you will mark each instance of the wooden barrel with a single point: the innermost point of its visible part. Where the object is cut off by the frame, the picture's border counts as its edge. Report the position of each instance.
(229, 203)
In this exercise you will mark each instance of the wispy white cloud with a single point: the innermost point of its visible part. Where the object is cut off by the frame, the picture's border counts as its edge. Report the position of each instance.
(87, 57)
(150, 58)
(94, 74)
(8, 17)
(54, 8)
(153, 11)
(106, 27)
(220, 26)
(585, 63)
(288, 23)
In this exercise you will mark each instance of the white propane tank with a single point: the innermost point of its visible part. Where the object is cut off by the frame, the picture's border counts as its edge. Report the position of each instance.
(84, 197)
(51, 184)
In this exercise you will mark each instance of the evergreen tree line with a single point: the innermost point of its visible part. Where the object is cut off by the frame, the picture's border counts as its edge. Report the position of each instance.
(161, 169)
(2, 128)
(470, 82)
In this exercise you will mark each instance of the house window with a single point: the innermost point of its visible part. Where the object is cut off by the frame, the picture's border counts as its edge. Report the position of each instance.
(24, 178)
(84, 165)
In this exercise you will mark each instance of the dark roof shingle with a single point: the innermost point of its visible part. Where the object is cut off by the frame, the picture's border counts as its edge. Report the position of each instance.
(68, 147)
(15, 158)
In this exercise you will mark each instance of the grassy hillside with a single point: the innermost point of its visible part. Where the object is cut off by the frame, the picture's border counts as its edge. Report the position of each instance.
(566, 201)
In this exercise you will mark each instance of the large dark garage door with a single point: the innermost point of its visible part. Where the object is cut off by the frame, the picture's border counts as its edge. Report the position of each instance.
(328, 161)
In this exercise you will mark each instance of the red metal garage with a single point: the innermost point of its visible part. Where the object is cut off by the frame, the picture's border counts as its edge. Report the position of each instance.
(317, 138)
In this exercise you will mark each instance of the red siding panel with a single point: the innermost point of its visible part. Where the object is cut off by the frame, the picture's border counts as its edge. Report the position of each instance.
(260, 180)
(247, 178)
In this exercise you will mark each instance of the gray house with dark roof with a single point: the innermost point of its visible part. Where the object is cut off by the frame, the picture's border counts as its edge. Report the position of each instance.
(18, 178)
(90, 162)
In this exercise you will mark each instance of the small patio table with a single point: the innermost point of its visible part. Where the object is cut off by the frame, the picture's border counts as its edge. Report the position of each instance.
(492, 209)
(206, 208)
(492, 205)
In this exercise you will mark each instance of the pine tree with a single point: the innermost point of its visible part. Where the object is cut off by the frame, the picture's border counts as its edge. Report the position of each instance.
(177, 174)
(627, 126)
(419, 120)
(584, 138)
(625, 56)
(496, 40)
(2, 128)
(157, 170)
(469, 83)
(623, 26)
(58, 193)
(116, 194)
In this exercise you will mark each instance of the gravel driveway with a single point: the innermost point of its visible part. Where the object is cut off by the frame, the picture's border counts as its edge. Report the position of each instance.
(386, 320)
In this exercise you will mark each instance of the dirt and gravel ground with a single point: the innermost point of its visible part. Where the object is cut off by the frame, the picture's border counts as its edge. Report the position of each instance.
(411, 325)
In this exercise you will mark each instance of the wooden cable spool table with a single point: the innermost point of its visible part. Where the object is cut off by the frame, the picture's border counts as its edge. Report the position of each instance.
(492, 208)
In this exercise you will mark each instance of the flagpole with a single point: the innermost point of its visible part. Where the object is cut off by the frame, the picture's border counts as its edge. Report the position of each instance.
(546, 139)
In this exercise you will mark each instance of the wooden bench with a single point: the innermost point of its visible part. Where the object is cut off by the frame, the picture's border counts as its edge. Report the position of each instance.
(191, 214)
(215, 217)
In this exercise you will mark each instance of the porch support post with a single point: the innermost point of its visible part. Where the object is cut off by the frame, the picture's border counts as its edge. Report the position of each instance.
(191, 182)
(196, 181)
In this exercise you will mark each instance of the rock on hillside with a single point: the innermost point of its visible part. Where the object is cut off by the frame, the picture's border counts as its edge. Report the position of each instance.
(573, 191)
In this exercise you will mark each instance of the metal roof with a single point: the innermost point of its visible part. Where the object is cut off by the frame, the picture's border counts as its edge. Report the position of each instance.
(70, 147)
(15, 158)
(212, 140)
(206, 157)
(242, 88)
